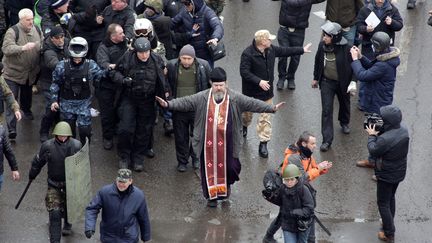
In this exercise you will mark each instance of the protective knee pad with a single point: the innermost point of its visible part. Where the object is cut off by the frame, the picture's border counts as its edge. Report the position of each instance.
(55, 225)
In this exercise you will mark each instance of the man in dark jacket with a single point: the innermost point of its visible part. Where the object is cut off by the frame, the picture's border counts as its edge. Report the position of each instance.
(123, 197)
(140, 72)
(53, 152)
(344, 12)
(119, 13)
(161, 25)
(379, 77)
(107, 92)
(333, 74)
(55, 49)
(57, 15)
(84, 22)
(390, 22)
(293, 21)
(201, 26)
(257, 72)
(7, 151)
(186, 75)
(391, 149)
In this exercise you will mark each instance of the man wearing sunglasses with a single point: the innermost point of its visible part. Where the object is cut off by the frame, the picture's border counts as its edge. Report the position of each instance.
(199, 26)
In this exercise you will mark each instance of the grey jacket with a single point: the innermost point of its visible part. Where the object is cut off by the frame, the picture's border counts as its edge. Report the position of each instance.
(239, 103)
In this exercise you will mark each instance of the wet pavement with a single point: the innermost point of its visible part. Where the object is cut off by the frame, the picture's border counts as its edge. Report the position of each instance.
(346, 195)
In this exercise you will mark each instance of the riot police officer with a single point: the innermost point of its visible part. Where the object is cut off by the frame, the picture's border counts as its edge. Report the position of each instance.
(54, 151)
(70, 90)
(141, 74)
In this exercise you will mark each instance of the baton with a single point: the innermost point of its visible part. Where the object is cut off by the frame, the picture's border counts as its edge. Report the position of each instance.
(23, 194)
(322, 226)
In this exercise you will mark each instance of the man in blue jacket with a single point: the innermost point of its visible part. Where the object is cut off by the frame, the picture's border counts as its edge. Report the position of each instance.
(124, 212)
(199, 26)
(379, 77)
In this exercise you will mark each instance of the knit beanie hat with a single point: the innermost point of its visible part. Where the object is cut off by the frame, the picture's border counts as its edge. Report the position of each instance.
(187, 50)
(58, 3)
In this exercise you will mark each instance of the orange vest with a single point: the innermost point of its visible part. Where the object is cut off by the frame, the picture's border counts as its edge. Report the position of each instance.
(309, 164)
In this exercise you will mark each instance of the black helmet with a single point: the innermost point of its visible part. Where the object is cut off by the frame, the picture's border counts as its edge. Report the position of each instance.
(380, 41)
(335, 31)
(142, 44)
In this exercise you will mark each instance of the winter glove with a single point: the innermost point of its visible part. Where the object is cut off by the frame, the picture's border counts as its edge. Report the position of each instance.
(352, 88)
(64, 20)
(89, 233)
(127, 81)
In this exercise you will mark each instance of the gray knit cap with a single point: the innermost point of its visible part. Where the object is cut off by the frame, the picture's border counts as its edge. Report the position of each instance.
(187, 50)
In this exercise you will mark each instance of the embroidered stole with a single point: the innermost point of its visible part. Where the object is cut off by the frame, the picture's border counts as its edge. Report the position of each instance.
(215, 147)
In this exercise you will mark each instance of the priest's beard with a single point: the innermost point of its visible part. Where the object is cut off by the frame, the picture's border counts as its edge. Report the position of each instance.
(218, 96)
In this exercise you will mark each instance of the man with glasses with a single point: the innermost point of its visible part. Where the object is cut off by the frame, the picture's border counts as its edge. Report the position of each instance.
(119, 227)
(199, 26)
(54, 50)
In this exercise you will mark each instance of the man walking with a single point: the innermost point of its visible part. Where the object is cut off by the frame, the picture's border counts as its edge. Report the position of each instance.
(257, 72)
(54, 152)
(186, 75)
(123, 197)
(333, 74)
(217, 132)
(21, 49)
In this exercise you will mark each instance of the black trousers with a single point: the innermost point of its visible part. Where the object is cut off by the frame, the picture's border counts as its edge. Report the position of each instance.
(24, 93)
(135, 127)
(387, 205)
(108, 111)
(183, 129)
(287, 38)
(330, 88)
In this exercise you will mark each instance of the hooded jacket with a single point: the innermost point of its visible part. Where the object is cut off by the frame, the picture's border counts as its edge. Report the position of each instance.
(205, 17)
(387, 9)
(51, 56)
(391, 147)
(379, 77)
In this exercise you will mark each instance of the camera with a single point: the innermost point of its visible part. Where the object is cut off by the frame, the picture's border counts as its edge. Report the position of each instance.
(374, 119)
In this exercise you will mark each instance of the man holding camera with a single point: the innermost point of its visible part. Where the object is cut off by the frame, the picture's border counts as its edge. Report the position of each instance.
(390, 148)
(379, 77)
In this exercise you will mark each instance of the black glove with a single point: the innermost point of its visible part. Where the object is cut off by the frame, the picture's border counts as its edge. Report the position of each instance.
(127, 81)
(89, 233)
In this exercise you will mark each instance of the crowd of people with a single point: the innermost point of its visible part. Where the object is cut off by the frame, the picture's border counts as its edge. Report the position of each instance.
(140, 59)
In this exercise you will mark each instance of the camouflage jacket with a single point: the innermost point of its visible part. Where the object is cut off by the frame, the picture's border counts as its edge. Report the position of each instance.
(95, 75)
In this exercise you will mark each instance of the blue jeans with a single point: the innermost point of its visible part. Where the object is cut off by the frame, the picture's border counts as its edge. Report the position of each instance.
(1, 181)
(351, 34)
(298, 237)
(289, 39)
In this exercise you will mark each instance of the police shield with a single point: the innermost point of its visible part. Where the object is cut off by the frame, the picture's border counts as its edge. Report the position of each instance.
(78, 183)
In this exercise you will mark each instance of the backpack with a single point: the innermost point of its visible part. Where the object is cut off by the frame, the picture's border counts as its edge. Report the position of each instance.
(16, 30)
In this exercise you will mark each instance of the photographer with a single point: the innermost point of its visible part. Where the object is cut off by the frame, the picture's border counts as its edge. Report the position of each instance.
(379, 77)
(390, 148)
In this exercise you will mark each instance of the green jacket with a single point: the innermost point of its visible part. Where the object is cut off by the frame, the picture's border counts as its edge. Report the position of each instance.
(239, 103)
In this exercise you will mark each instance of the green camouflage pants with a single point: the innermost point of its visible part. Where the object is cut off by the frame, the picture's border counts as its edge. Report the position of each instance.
(263, 127)
(55, 199)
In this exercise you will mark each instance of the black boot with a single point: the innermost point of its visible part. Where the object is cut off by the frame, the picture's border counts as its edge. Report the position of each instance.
(84, 132)
(168, 127)
(138, 166)
(263, 152)
(67, 229)
(291, 84)
(107, 143)
(55, 226)
(411, 4)
(244, 131)
(280, 83)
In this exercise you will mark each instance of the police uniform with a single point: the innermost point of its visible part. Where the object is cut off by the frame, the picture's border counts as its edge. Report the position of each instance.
(137, 104)
(54, 153)
(71, 89)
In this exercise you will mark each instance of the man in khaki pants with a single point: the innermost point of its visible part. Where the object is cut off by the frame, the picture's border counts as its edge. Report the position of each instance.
(257, 72)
